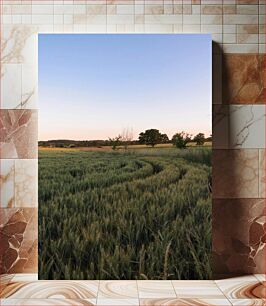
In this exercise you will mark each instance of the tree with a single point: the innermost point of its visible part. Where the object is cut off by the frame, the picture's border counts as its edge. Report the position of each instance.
(199, 139)
(127, 137)
(151, 137)
(180, 140)
(164, 138)
(115, 141)
(209, 138)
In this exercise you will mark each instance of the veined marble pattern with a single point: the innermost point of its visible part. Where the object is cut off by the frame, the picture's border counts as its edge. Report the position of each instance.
(18, 130)
(48, 302)
(261, 277)
(238, 236)
(19, 84)
(17, 42)
(184, 302)
(18, 235)
(235, 173)
(10, 85)
(156, 289)
(26, 182)
(237, 126)
(248, 302)
(243, 79)
(245, 121)
(4, 280)
(118, 289)
(29, 85)
(19, 183)
(51, 289)
(237, 291)
(7, 183)
(242, 287)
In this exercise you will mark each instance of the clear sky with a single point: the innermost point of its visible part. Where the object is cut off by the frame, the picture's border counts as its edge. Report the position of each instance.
(94, 86)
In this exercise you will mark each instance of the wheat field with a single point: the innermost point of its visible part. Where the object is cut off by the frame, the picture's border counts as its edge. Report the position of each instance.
(135, 214)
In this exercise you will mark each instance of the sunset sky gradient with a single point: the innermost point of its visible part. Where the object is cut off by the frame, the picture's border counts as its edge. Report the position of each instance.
(94, 86)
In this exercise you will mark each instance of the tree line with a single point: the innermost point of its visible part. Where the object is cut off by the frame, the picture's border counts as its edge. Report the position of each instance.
(150, 137)
(153, 137)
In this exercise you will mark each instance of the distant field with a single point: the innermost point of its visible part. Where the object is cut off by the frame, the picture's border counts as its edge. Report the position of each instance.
(140, 214)
(109, 148)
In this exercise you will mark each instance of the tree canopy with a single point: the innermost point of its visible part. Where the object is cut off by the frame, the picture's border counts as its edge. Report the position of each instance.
(152, 137)
(199, 139)
(180, 140)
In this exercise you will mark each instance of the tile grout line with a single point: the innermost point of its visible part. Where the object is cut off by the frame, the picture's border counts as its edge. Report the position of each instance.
(138, 292)
(220, 290)
(174, 289)
(98, 289)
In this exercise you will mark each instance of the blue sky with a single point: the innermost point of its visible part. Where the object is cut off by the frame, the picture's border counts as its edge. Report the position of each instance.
(94, 86)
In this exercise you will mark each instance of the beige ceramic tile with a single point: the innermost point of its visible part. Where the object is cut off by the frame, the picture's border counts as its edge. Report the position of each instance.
(260, 277)
(211, 19)
(247, 126)
(248, 302)
(29, 85)
(184, 302)
(4, 280)
(25, 277)
(248, 29)
(52, 289)
(96, 9)
(19, 43)
(211, 28)
(229, 38)
(117, 302)
(247, 9)
(240, 19)
(118, 290)
(48, 302)
(229, 9)
(43, 9)
(211, 9)
(159, 28)
(153, 9)
(156, 289)
(197, 289)
(120, 19)
(247, 38)
(240, 48)
(10, 85)
(229, 28)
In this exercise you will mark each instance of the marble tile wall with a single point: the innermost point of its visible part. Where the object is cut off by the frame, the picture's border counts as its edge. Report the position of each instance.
(239, 235)
(19, 240)
(238, 33)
